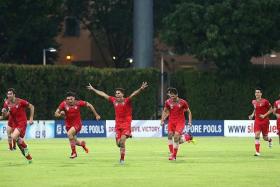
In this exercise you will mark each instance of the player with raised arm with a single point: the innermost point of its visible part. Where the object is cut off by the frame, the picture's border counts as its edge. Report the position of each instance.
(261, 112)
(123, 114)
(14, 108)
(175, 108)
(70, 109)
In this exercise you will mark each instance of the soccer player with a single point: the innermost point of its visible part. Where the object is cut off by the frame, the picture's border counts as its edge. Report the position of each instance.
(261, 112)
(175, 108)
(123, 114)
(15, 108)
(276, 112)
(70, 109)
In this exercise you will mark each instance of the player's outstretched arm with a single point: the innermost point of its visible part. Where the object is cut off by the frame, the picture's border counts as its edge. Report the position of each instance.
(58, 113)
(97, 116)
(190, 116)
(98, 92)
(5, 113)
(252, 115)
(32, 109)
(136, 92)
(1, 117)
(164, 115)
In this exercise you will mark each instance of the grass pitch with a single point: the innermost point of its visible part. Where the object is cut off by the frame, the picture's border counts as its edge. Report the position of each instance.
(225, 162)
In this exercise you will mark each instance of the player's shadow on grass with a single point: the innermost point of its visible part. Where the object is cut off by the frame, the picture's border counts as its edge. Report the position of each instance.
(14, 164)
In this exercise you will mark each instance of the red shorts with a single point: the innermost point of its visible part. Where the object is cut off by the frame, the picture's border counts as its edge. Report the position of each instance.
(21, 126)
(176, 127)
(278, 126)
(77, 128)
(262, 126)
(123, 131)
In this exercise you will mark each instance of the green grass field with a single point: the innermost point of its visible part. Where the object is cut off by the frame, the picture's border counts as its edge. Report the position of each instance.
(213, 162)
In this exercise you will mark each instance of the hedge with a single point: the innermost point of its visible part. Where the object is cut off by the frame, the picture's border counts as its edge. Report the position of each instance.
(45, 87)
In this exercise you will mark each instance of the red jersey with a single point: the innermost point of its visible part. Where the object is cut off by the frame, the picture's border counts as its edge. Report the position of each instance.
(277, 106)
(17, 111)
(176, 110)
(261, 107)
(123, 111)
(72, 113)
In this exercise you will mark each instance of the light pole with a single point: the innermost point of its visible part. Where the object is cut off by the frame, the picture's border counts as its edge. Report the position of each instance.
(51, 49)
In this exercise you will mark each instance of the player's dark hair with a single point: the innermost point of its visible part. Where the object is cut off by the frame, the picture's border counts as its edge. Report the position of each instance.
(171, 90)
(258, 88)
(71, 94)
(11, 90)
(121, 90)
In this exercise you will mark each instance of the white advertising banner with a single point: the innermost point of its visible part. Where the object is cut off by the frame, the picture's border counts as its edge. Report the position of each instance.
(139, 128)
(245, 128)
(39, 130)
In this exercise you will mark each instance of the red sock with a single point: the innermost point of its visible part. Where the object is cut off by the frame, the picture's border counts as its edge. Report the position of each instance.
(122, 152)
(175, 150)
(170, 148)
(73, 145)
(22, 143)
(257, 145)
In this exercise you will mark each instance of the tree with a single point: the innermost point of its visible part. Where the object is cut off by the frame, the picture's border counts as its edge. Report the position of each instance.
(110, 24)
(27, 27)
(227, 32)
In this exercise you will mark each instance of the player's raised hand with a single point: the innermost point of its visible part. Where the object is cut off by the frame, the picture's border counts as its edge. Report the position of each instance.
(97, 117)
(144, 85)
(89, 87)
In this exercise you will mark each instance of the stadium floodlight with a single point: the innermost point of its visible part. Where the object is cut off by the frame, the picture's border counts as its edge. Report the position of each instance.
(51, 49)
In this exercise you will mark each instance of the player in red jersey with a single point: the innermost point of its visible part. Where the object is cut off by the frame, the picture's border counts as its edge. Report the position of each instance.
(123, 113)
(70, 109)
(276, 112)
(175, 108)
(14, 108)
(261, 112)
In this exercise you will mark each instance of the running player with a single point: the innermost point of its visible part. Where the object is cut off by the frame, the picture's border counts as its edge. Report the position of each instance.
(261, 112)
(70, 109)
(15, 108)
(123, 114)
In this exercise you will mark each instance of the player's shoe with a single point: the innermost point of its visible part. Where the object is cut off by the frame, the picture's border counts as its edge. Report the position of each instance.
(193, 141)
(121, 162)
(84, 147)
(270, 143)
(14, 148)
(257, 154)
(73, 155)
(172, 158)
(26, 151)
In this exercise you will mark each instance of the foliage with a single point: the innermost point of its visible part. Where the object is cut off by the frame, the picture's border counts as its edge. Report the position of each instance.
(227, 32)
(45, 87)
(27, 27)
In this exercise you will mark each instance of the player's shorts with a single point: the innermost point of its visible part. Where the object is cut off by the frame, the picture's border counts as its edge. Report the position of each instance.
(77, 127)
(176, 127)
(120, 131)
(21, 126)
(12, 125)
(278, 126)
(262, 126)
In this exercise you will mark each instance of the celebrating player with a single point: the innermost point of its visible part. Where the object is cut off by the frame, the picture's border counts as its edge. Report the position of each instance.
(70, 109)
(14, 108)
(262, 109)
(123, 114)
(175, 108)
(276, 112)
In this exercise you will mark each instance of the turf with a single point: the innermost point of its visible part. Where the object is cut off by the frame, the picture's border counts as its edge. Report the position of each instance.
(213, 161)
